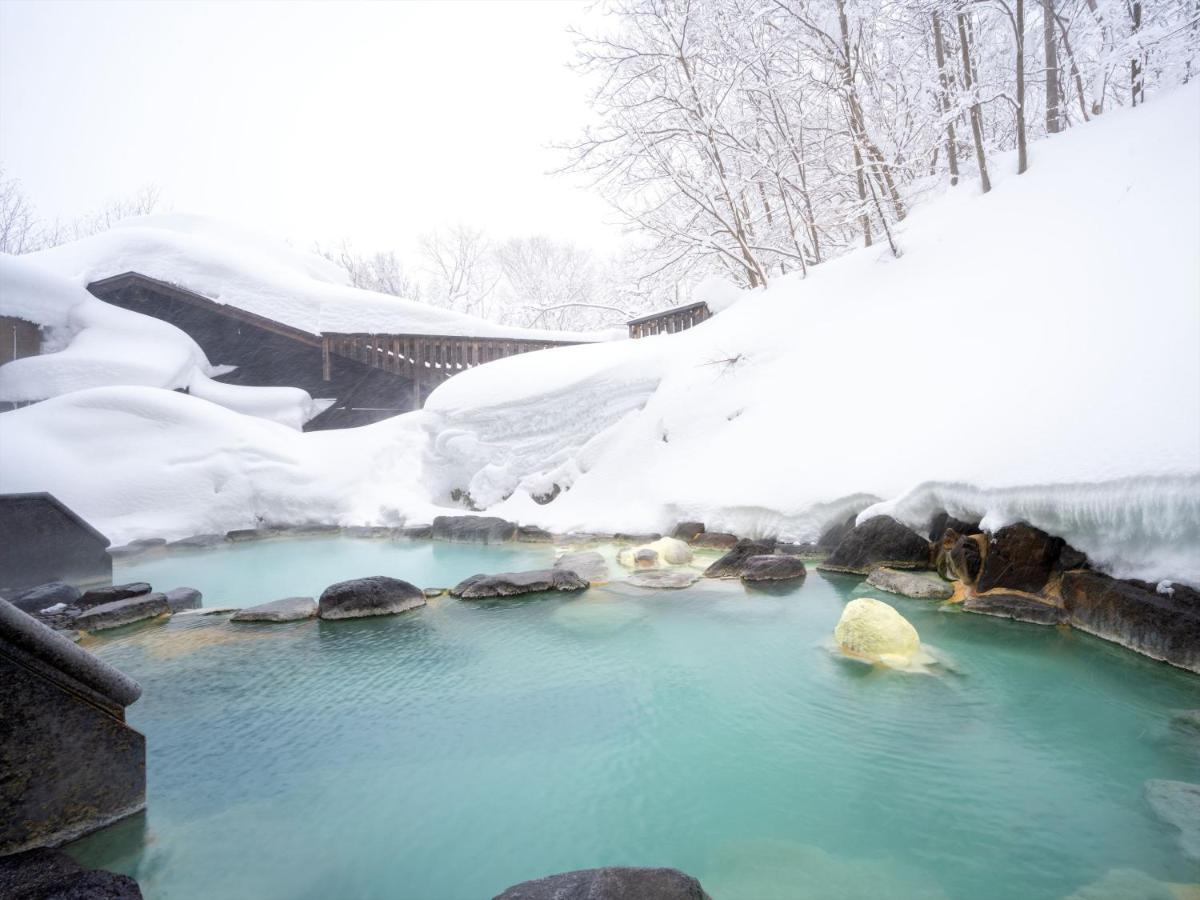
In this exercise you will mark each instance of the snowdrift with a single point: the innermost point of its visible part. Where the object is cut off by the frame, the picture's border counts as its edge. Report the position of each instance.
(1032, 355)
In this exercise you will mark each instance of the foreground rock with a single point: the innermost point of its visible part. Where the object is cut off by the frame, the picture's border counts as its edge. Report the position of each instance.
(910, 584)
(375, 596)
(671, 579)
(879, 541)
(733, 563)
(1178, 803)
(289, 609)
(473, 530)
(872, 630)
(773, 568)
(52, 593)
(123, 612)
(1017, 607)
(613, 883)
(100, 596)
(52, 875)
(512, 584)
(182, 598)
(1163, 626)
(586, 564)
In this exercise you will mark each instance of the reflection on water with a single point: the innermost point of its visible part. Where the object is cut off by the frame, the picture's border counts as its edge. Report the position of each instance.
(451, 751)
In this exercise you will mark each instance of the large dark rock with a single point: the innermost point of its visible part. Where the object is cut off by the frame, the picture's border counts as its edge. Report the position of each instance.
(835, 533)
(473, 529)
(1163, 626)
(612, 883)
(99, 596)
(943, 521)
(961, 558)
(46, 874)
(1015, 606)
(38, 598)
(1020, 558)
(773, 568)
(714, 540)
(123, 612)
(182, 598)
(688, 531)
(879, 541)
(41, 540)
(374, 596)
(512, 584)
(732, 563)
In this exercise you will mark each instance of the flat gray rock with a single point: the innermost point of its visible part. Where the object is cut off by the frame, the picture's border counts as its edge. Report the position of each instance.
(38, 598)
(670, 579)
(512, 584)
(182, 598)
(910, 584)
(773, 568)
(612, 883)
(586, 564)
(1016, 607)
(123, 612)
(100, 596)
(289, 609)
(374, 596)
(1178, 803)
(473, 529)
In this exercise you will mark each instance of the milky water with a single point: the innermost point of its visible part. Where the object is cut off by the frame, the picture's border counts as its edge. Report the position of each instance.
(449, 752)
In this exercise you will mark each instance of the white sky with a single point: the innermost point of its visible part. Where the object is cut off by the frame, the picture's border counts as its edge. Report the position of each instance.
(313, 121)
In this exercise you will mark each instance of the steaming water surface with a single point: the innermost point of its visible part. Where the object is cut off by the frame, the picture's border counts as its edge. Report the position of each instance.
(452, 751)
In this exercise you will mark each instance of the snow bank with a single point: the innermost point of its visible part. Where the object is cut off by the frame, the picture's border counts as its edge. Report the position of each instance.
(1032, 355)
(89, 343)
(265, 277)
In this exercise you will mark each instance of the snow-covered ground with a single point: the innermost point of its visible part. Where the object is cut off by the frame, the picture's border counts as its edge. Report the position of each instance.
(1034, 354)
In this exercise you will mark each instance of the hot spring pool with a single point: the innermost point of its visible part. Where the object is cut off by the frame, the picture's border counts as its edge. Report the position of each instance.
(449, 752)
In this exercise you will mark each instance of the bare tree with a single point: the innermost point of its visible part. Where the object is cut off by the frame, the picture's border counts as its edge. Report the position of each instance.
(18, 224)
(461, 270)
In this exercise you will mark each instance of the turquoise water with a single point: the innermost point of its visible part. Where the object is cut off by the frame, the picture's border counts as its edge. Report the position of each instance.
(452, 751)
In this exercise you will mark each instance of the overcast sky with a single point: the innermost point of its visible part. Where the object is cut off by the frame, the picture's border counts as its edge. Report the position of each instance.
(313, 121)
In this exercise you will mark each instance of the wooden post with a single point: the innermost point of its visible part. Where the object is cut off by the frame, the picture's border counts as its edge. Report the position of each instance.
(325, 361)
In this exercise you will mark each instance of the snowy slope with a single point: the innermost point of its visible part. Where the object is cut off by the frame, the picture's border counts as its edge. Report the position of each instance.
(89, 343)
(265, 277)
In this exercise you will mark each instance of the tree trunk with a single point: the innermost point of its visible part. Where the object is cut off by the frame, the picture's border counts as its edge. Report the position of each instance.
(864, 217)
(1136, 85)
(944, 99)
(1019, 27)
(1051, 41)
(976, 112)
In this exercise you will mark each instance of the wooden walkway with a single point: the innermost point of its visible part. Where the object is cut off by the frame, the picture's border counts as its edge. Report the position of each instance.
(669, 321)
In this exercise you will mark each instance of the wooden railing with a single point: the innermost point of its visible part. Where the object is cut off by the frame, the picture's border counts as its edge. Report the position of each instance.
(669, 321)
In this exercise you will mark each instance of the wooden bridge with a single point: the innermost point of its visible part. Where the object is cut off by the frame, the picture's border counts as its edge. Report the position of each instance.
(669, 321)
(369, 374)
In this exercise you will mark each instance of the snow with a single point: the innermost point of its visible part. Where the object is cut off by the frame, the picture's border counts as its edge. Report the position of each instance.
(259, 275)
(1032, 355)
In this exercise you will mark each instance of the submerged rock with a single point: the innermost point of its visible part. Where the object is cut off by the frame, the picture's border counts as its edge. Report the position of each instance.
(663, 578)
(688, 531)
(611, 883)
(910, 584)
(773, 568)
(1020, 558)
(873, 630)
(1015, 606)
(374, 596)
(473, 530)
(47, 874)
(879, 541)
(35, 599)
(732, 563)
(586, 564)
(1163, 626)
(182, 598)
(1178, 803)
(512, 584)
(98, 596)
(289, 609)
(123, 612)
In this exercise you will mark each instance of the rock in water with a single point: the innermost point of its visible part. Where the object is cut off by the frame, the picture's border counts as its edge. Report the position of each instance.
(512, 584)
(123, 612)
(663, 578)
(1020, 558)
(375, 596)
(1178, 803)
(289, 609)
(473, 529)
(879, 541)
(1017, 607)
(182, 598)
(910, 584)
(731, 564)
(99, 596)
(613, 883)
(870, 629)
(773, 568)
(586, 564)
(671, 551)
(38, 598)
(714, 540)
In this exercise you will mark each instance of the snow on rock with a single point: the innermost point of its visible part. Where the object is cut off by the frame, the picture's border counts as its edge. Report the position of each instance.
(1031, 355)
(266, 277)
(90, 343)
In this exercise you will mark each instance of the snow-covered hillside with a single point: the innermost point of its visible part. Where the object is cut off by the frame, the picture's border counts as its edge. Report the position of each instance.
(1032, 355)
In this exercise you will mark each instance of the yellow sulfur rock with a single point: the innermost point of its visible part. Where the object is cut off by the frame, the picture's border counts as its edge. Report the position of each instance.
(872, 630)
